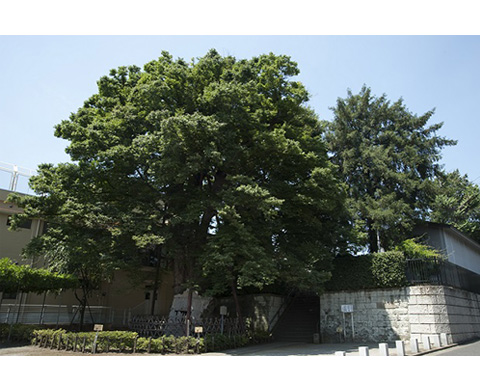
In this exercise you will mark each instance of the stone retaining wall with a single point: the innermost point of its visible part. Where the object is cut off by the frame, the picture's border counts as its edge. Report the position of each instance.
(400, 313)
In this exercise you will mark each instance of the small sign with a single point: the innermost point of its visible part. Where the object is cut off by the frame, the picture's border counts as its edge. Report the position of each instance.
(97, 327)
(347, 308)
(223, 310)
(198, 329)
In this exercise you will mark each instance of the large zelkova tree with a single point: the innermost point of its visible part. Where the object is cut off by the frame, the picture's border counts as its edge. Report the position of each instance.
(388, 157)
(216, 166)
(456, 201)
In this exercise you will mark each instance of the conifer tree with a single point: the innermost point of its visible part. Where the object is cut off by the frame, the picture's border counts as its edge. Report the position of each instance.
(388, 157)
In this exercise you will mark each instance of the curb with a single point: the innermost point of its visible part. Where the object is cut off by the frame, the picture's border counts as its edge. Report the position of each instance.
(435, 350)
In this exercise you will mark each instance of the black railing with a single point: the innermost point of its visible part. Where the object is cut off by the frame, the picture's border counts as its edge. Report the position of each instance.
(441, 272)
(156, 326)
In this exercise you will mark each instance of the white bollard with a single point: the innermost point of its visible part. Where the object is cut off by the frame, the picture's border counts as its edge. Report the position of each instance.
(340, 353)
(400, 347)
(436, 340)
(414, 345)
(363, 351)
(443, 339)
(383, 349)
(426, 342)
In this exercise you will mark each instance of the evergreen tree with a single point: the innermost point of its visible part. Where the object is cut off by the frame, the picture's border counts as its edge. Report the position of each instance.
(387, 157)
(457, 202)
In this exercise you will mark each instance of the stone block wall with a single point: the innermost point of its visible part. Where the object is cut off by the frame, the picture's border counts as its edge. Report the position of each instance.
(401, 313)
(463, 313)
(379, 315)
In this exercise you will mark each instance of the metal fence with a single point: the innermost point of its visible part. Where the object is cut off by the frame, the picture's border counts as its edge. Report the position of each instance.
(58, 314)
(440, 272)
(156, 326)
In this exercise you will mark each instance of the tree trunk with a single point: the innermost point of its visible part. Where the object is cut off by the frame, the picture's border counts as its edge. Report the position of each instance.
(237, 303)
(372, 238)
(189, 311)
(156, 284)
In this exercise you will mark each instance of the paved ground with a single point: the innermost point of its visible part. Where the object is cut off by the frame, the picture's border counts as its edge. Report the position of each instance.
(302, 349)
(270, 349)
(469, 349)
(29, 350)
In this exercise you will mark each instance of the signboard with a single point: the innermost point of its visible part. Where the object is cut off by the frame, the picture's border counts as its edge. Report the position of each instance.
(97, 327)
(198, 329)
(223, 310)
(347, 308)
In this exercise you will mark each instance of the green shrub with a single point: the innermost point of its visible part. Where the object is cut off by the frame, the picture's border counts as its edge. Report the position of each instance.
(22, 333)
(388, 269)
(377, 270)
(351, 273)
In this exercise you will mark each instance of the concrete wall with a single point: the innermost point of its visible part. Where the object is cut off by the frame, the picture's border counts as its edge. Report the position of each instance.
(393, 314)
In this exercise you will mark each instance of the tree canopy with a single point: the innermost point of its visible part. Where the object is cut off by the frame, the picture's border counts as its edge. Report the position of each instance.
(216, 165)
(456, 201)
(14, 277)
(388, 157)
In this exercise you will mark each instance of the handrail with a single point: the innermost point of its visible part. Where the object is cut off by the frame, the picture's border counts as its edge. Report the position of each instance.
(276, 317)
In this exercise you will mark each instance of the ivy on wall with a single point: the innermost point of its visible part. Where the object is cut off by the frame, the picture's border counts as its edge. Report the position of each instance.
(377, 270)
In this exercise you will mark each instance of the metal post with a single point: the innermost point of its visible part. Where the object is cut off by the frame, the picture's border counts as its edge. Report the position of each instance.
(8, 314)
(353, 328)
(42, 312)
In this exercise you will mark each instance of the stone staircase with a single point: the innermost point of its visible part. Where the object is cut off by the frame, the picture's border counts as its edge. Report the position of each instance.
(299, 321)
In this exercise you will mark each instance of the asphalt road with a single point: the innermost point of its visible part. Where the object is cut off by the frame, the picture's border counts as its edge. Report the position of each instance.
(470, 349)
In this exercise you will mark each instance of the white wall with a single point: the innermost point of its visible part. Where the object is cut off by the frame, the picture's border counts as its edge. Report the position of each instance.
(461, 252)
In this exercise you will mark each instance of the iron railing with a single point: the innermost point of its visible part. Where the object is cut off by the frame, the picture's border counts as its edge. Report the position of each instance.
(157, 326)
(441, 272)
(59, 314)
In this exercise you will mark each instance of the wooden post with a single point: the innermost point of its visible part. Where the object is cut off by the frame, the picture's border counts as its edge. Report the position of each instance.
(59, 341)
(135, 345)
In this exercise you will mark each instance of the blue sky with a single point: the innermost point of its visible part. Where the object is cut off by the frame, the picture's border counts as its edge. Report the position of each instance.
(45, 78)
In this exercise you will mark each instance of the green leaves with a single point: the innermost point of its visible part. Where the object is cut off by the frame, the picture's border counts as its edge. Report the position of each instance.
(15, 278)
(387, 156)
(456, 201)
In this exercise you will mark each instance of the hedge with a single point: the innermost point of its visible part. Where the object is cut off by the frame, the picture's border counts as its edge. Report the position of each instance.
(377, 270)
(125, 341)
(21, 333)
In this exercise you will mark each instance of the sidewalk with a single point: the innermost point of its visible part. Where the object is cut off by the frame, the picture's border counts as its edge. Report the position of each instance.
(306, 349)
